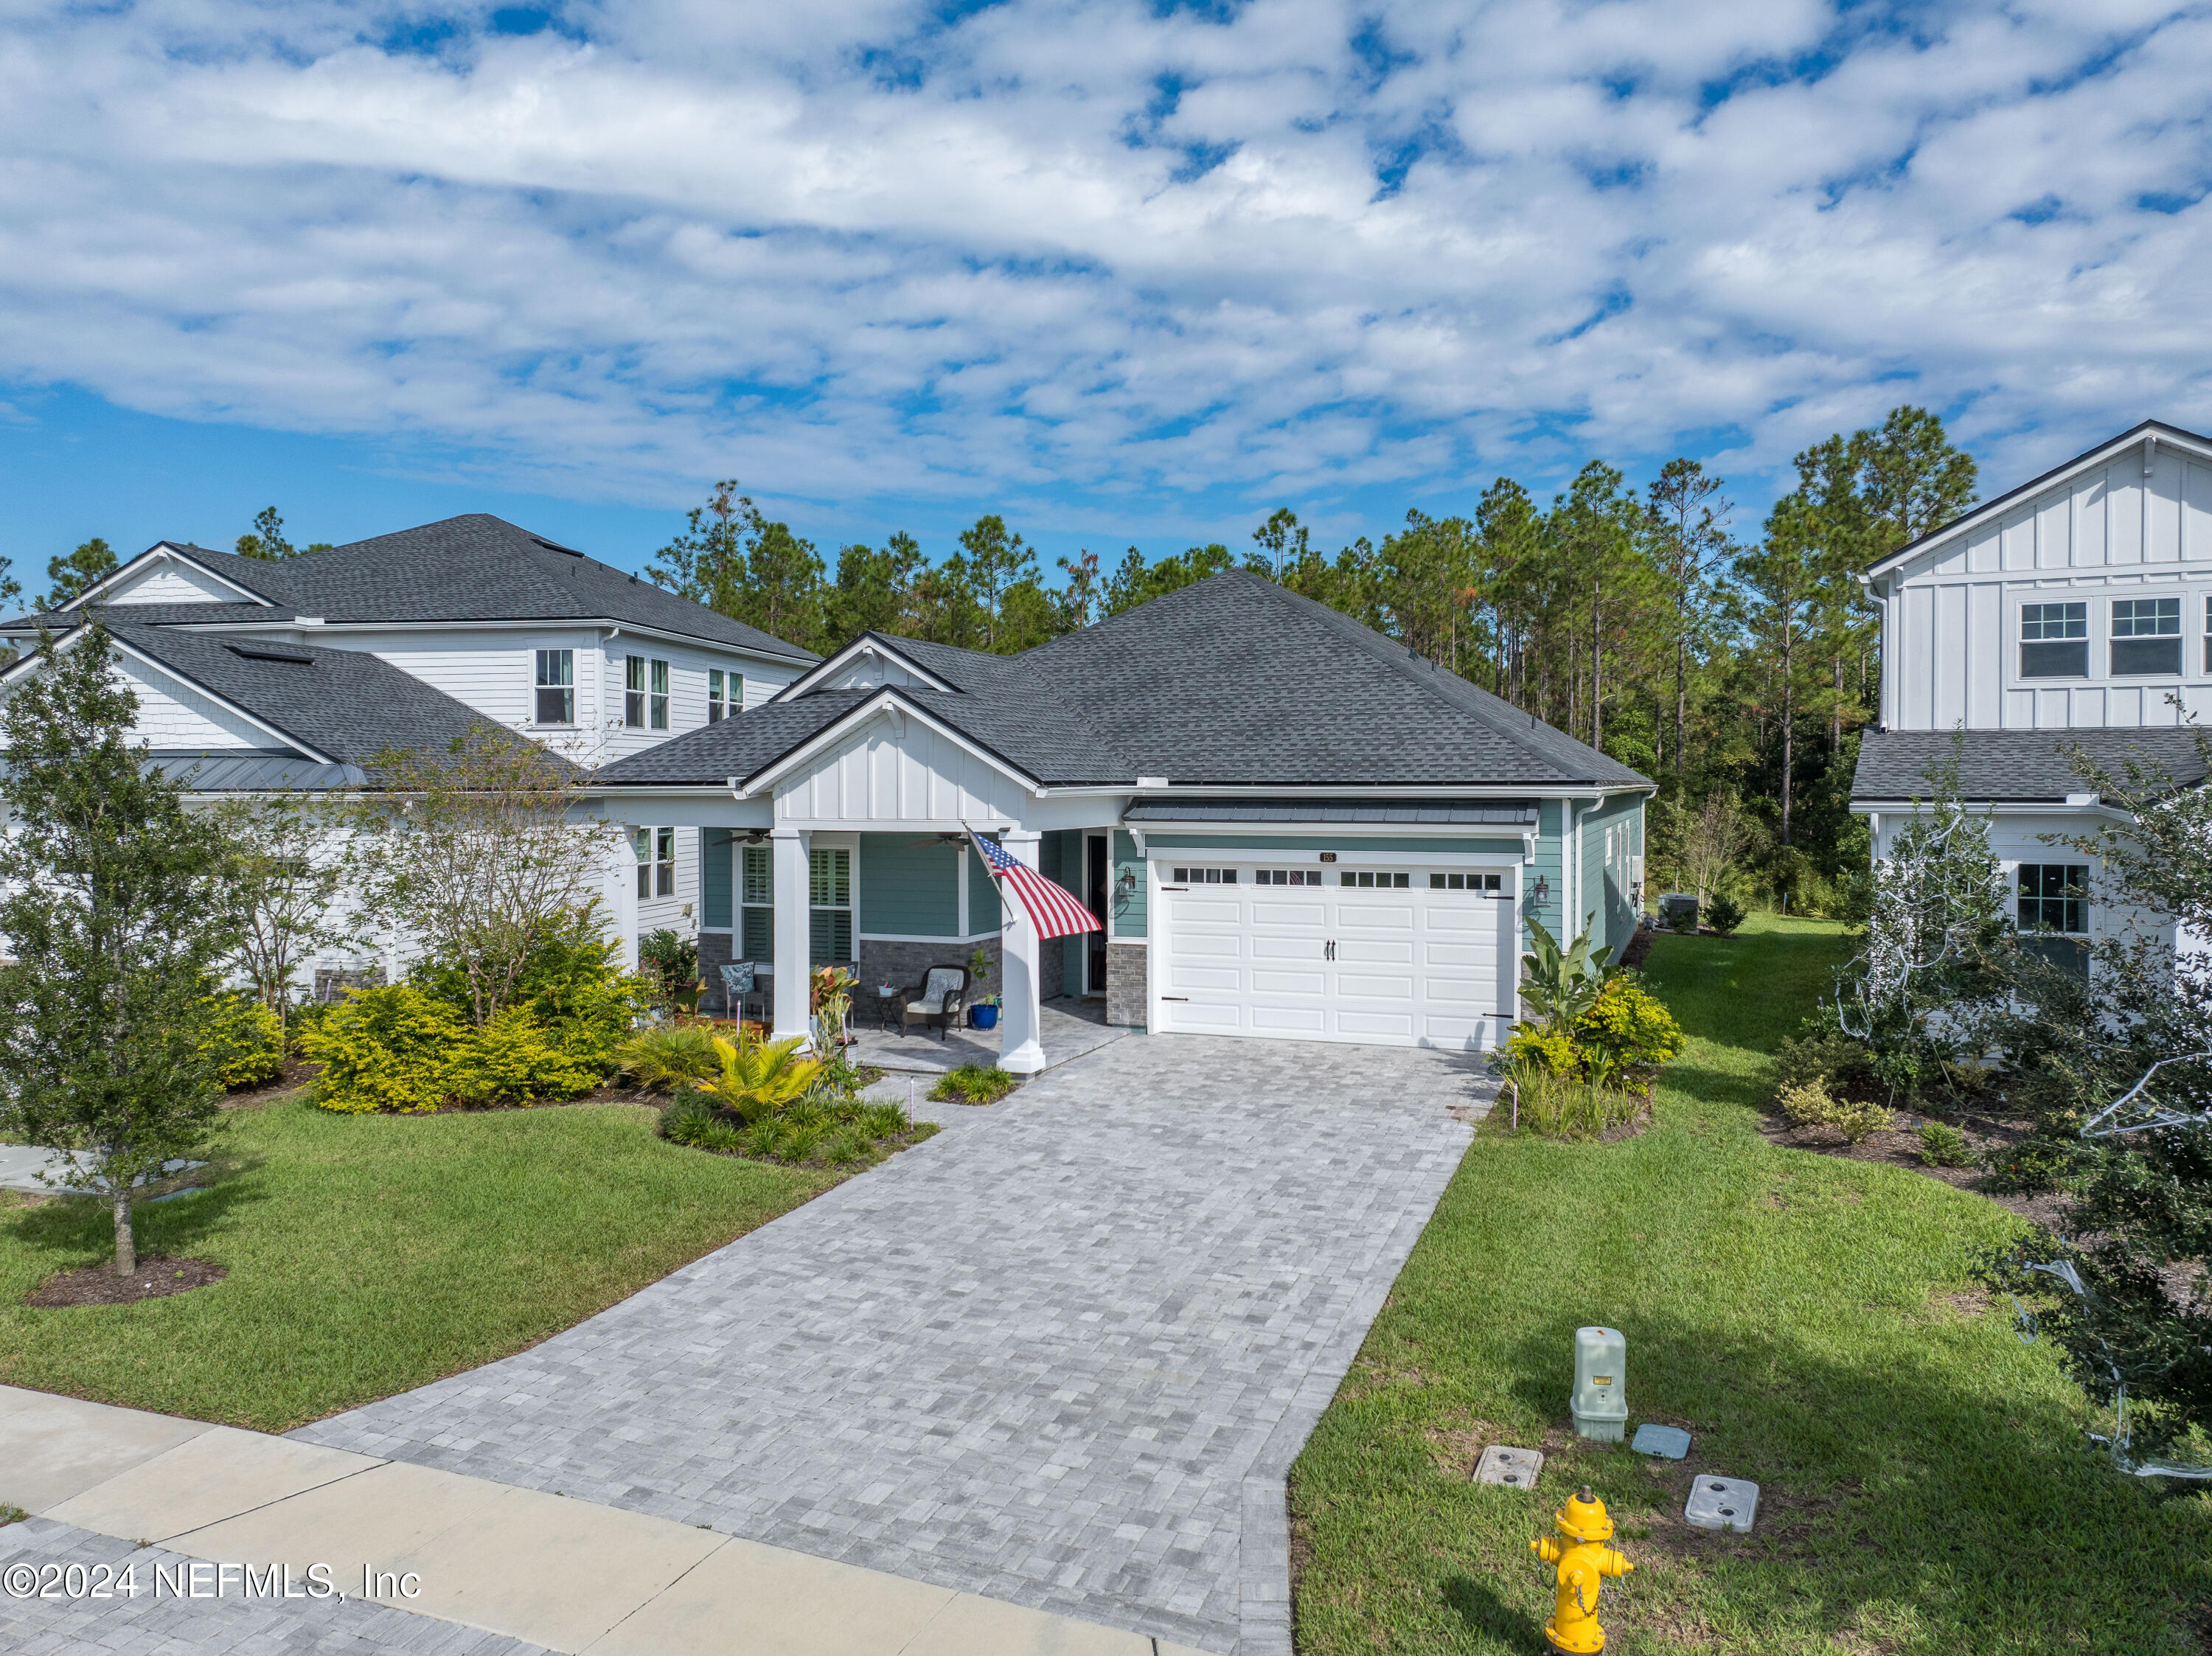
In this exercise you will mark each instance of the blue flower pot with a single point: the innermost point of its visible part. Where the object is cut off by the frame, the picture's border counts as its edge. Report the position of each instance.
(983, 1017)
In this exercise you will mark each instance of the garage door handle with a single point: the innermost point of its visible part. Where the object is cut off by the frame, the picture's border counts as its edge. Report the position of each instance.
(1175, 996)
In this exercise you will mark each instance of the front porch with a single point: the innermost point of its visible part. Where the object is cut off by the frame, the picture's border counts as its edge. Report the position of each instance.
(1067, 1028)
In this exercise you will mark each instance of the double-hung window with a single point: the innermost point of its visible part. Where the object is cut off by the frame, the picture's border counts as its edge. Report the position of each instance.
(757, 903)
(829, 895)
(2054, 905)
(2146, 636)
(656, 861)
(556, 687)
(645, 693)
(726, 695)
(2054, 640)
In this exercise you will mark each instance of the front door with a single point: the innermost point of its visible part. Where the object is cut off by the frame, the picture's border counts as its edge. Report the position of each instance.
(1094, 893)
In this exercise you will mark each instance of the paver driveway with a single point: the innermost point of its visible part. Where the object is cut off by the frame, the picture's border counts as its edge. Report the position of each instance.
(1037, 1358)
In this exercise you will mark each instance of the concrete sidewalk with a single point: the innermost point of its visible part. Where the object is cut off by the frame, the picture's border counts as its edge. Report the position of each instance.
(549, 1572)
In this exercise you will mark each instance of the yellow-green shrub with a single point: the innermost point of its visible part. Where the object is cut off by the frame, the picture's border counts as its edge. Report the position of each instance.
(399, 1050)
(1629, 1033)
(393, 1048)
(1532, 1045)
(1810, 1104)
(242, 1042)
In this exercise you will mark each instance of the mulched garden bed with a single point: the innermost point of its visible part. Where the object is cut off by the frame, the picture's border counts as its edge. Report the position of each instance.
(154, 1279)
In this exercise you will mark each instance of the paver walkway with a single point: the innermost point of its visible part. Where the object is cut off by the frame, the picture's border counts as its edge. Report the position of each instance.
(1045, 1358)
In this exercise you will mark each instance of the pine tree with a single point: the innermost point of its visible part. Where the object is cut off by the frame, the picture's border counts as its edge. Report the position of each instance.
(116, 928)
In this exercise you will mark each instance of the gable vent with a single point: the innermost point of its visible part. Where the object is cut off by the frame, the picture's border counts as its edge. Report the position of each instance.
(270, 653)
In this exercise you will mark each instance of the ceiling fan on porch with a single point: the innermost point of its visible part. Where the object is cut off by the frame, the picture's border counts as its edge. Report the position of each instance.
(952, 838)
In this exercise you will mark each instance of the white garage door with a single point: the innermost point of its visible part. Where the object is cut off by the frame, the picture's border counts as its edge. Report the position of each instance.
(1411, 955)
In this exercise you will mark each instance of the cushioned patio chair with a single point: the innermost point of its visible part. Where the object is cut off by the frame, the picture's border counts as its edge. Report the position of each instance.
(939, 998)
(741, 989)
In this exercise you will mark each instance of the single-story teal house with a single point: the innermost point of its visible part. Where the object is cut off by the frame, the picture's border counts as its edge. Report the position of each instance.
(1290, 826)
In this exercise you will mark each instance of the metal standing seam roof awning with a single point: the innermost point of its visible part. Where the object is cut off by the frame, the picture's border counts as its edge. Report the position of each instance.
(1518, 814)
(251, 772)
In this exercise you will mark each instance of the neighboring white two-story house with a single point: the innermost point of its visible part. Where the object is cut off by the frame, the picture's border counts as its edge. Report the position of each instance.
(2075, 610)
(296, 671)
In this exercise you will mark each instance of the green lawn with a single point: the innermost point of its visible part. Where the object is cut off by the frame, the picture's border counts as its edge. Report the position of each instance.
(1924, 1486)
(368, 1254)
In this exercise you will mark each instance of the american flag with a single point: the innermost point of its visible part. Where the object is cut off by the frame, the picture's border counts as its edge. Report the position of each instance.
(1054, 910)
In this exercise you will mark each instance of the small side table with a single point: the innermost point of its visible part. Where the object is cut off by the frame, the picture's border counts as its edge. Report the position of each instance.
(886, 1007)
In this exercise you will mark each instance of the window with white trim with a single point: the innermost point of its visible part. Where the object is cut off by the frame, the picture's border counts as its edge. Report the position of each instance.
(2146, 637)
(1382, 882)
(2054, 640)
(829, 896)
(2053, 905)
(726, 695)
(1286, 876)
(1206, 876)
(755, 903)
(656, 861)
(556, 687)
(645, 693)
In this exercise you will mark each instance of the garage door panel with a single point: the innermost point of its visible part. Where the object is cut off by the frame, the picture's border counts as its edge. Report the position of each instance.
(1211, 945)
(1266, 982)
(1212, 1017)
(1363, 916)
(1268, 913)
(1460, 1032)
(1464, 992)
(1227, 911)
(1398, 1025)
(1186, 977)
(1376, 951)
(1373, 986)
(1436, 952)
(1478, 918)
(1310, 1021)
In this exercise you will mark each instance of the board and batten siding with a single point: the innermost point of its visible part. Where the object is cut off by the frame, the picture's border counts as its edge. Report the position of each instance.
(1951, 621)
(897, 768)
(168, 581)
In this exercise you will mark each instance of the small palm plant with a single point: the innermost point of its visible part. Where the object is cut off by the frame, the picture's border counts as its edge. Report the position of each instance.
(664, 1059)
(759, 1077)
(1558, 984)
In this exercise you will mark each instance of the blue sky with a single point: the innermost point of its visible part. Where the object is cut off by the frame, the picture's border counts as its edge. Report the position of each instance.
(1128, 272)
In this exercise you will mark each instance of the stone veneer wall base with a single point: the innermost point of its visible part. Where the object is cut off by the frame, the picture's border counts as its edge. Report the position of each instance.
(1127, 993)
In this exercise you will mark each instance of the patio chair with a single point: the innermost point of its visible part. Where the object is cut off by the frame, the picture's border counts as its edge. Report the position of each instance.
(939, 997)
(741, 988)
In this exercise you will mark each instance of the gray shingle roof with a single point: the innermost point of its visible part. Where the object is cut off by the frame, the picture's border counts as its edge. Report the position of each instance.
(343, 703)
(2013, 767)
(475, 567)
(1232, 681)
(1452, 813)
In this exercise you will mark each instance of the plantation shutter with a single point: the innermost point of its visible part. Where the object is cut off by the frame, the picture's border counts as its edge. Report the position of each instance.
(757, 901)
(830, 894)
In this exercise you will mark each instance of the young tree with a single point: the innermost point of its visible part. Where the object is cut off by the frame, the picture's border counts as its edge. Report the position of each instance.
(266, 539)
(79, 572)
(1779, 589)
(481, 856)
(1713, 839)
(740, 564)
(874, 591)
(1283, 539)
(284, 868)
(115, 924)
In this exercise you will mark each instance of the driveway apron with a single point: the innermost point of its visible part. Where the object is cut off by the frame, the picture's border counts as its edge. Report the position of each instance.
(1037, 1358)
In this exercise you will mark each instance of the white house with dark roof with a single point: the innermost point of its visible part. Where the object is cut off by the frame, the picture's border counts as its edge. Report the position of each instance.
(2074, 611)
(296, 671)
(1290, 826)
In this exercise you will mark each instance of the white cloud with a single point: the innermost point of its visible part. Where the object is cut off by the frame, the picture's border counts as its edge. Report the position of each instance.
(1078, 252)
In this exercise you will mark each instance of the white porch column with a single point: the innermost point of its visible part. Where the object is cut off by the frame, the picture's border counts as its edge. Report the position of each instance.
(794, 931)
(1019, 1048)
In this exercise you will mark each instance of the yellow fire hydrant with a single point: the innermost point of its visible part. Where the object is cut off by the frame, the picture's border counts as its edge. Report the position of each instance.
(1584, 1561)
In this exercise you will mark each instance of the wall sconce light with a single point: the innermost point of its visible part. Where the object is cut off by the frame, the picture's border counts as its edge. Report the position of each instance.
(1542, 894)
(1128, 882)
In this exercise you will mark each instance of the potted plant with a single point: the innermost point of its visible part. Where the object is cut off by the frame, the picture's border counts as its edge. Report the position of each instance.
(979, 974)
(984, 1014)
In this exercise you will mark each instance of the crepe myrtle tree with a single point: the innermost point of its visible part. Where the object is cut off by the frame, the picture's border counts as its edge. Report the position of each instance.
(286, 859)
(112, 913)
(479, 857)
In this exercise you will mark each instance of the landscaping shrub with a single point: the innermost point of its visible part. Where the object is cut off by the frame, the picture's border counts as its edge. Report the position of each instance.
(397, 1049)
(385, 1049)
(663, 1058)
(754, 1078)
(1810, 1104)
(669, 962)
(1562, 1106)
(972, 1083)
(308, 1014)
(1627, 1036)
(1831, 1057)
(1943, 1145)
(1533, 1045)
(694, 1119)
(242, 1042)
(1724, 914)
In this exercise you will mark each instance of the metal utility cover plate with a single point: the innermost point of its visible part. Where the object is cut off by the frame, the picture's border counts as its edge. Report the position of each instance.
(1516, 1468)
(1722, 1503)
(1671, 1441)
